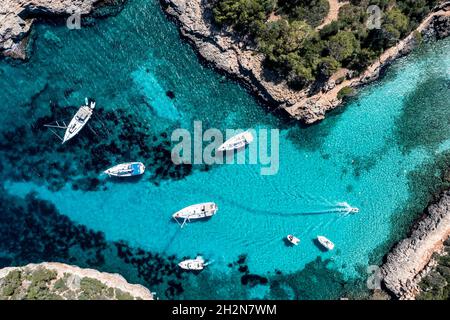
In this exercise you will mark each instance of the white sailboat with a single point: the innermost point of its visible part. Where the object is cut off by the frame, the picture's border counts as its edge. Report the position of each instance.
(79, 120)
(325, 242)
(237, 142)
(293, 239)
(193, 264)
(196, 211)
(127, 169)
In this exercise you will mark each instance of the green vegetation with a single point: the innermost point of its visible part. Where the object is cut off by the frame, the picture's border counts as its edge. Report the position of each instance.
(11, 283)
(436, 285)
(120, 295)
(44, 284)
(295, 49)
(345, 92)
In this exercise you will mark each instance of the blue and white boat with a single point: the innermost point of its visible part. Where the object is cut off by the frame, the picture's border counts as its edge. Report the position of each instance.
(127, 169)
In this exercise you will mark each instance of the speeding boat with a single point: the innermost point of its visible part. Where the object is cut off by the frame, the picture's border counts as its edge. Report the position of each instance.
(293, 239)
(196, 211)
(79, 120)
(237, 142)
(348, 209)
(128, 169)
(193, 264)
(325, 242)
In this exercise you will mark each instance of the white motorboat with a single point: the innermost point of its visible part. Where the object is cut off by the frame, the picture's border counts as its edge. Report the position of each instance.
(237, 142)
(79, 120)
(127, 169)
(325, 242)
(196, 211)
(193, 264)
(293, 239)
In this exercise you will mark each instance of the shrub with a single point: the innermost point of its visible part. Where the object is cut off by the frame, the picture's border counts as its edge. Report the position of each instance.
(12, 282)
(345, 92)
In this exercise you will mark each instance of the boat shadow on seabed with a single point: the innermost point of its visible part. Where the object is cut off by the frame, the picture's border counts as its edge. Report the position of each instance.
(319, 245)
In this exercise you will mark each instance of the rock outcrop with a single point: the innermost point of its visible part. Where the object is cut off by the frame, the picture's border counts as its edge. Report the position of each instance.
(17, 17)
(51, 280)
(407, 262)
(237, 57)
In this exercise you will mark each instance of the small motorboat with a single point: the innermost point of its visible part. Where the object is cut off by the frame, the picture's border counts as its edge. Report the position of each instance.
(237, 142)
(293, 239)
(348, 209)
(196, 211)
(127, 169)
(79, 120)
(193, 264)
(325, 242)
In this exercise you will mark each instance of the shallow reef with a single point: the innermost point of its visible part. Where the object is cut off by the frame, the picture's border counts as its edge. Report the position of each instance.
(110, 137)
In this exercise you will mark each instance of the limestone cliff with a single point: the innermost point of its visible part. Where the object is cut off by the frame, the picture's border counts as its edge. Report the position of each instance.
(238, 58)
(18, 16)
(58, 281)
(408, 261)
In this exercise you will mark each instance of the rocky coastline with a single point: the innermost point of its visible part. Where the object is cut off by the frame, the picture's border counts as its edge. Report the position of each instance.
(18, 16)
(238, 58)
(411, 259)
(52, 280)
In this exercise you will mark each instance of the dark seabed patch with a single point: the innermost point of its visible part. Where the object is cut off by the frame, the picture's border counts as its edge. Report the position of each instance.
(34, 231)
(111, 137)
(425, 184)
(425, 118)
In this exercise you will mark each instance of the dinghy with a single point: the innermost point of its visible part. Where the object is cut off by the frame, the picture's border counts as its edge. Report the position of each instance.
(293, 239)
(237, 142)
(325, 242)
(79, 120)
(127, 169)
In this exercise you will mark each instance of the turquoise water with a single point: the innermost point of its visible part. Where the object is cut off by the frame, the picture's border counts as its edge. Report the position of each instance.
(129, 63)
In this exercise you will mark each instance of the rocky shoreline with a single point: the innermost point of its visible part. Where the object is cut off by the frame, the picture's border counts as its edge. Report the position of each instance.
(18, 16)
(114, 286)
(411, 259)
(237, 57)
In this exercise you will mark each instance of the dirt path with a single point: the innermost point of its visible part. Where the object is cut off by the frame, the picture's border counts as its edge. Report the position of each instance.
(333, 14)
(330, 98)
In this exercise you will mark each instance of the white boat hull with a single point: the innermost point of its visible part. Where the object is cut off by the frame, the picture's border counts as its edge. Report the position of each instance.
(237, 142)
(128, 169)
(197, 211)
(326, 243)
(193, 264)
(79, 121)
(292, 239)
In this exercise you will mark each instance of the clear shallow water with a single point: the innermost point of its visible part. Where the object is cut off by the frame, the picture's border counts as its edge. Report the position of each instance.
(129, 62)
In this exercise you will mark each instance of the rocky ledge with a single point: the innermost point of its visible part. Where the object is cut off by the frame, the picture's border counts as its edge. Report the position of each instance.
(17, 17)
(409, 260)
(55, 281)
(238, 58)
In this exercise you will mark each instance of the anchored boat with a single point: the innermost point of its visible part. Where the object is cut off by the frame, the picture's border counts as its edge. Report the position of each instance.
(193, 264)
(79, 120)
(196, 211)
(325, 242)
(237, 142)
(293, 239)
(128, 169)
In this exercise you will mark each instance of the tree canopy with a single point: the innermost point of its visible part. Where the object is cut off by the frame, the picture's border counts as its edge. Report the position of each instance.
(294, 48)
